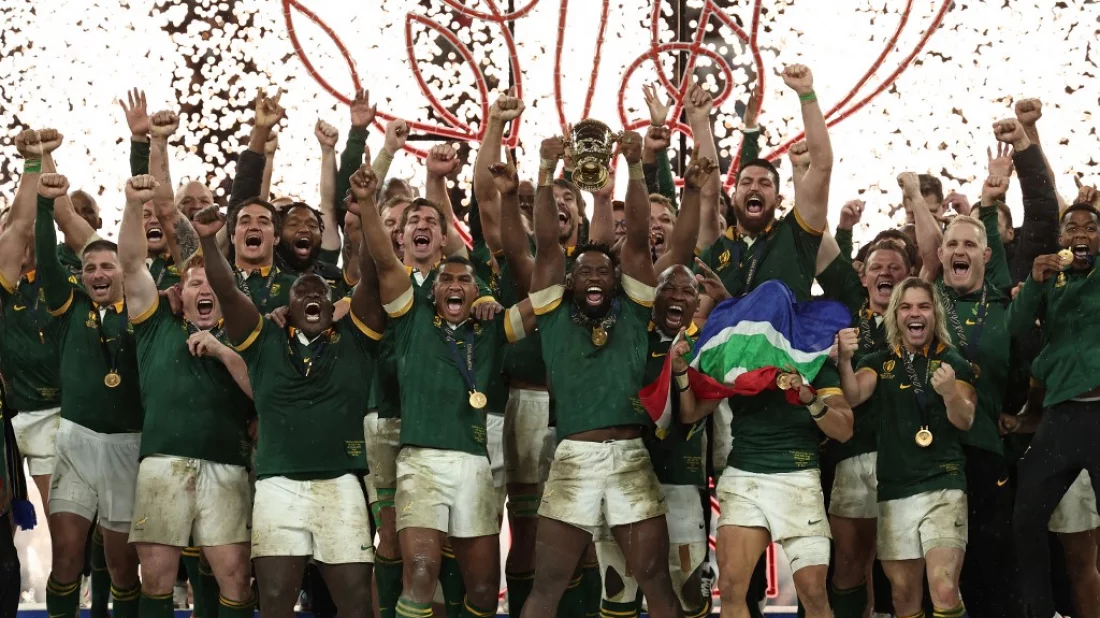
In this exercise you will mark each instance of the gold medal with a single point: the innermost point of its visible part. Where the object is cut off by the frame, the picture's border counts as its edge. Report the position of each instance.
(1066, 257)
(924, 438)
(783, 381)
(599, 336)
(478, 400)
(112, 379)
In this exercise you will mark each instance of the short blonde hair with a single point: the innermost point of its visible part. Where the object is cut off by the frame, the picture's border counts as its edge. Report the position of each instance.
(939, 329)
(968, 220)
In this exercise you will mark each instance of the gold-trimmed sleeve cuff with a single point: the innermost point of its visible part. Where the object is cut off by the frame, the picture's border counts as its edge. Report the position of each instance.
(400, 305)
(639, 292)
(830, 391)
(363, 328)
(63, 309)
(252, 337)
(809, 229)
(488, 298)
(148, 313)
(513, 325)
(862, 369)
(8, 286)
(546, 301)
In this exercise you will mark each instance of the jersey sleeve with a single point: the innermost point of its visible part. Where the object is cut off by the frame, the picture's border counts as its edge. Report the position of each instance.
(827, 381)
(964, 373)
(638, 292)
(840, 281)
(806, 240)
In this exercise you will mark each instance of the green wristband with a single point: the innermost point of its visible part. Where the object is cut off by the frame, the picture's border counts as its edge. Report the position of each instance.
(32, 166)
(809, 97)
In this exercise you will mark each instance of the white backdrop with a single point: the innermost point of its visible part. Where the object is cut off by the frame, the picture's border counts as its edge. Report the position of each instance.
(65, 63)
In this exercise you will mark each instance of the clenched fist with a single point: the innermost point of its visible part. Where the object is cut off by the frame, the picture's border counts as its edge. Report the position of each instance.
(799, 78)
(139, 189)
(1044, 266)
(943, 381)
(630, 145)
(910, 184)
(1009, 131)
(52, 186)
(698, 102)
(505, 177)
(442, 160)
(657, 138)
(396, 133)
(850, 214)
(847, 342)
(326, 134)
(698, 171)
(994, 189)
(552, 149)
(208, 221)
(507, 107)
(164, 124)
(799, 155)
(1029, 111)
(364, 184)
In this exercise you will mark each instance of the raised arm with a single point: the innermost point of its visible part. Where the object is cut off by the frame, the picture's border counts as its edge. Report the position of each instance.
(18, 231)
(1028, 113)
(504, 110)
(636, 260)
(442, 162)
(658, 169)
(1021, 314)
(1038, 233)
(74, 228)
(685, 233)
(248, 180)
(549, 256)
(602, 227)
(698, 105)
(811, 197)
(393, 280)
(362, 115)
(138, 285)
(397, 131)
(327, 136)
(241, 316)
(857, 386)
(929, 234)
(54, 277)
(183, 242)
(366, 299)
(993, 193)
(512, 235)
(137, 119)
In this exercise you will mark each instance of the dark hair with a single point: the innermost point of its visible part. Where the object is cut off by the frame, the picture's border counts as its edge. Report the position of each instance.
(235, 211)
(904, 242)
(99, 244)
(592, 246)
(1004, 210)
(931, 184)
(313, 211)
(764, 163)
(1079, 206)
(887, 244)
(577, 195)
(457, 259)
(417, 204)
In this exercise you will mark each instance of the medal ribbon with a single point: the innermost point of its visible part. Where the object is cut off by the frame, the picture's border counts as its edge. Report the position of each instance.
(918, 386)
(304, 364)
(466, 369)
(971, 344)
(269, 282)
(867, 339)
(606, 323)
(34, 287)
(110, 358)
(759, 249)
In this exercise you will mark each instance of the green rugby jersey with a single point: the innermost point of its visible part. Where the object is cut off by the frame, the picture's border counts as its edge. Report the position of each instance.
(680, 457)
(904, 468)
(785, 251)
(772, 436)
(193, 407)
(267, 286)
(30, 354)
(595, 387)
(435, 395)
(310, 398)
(93, 338)
(69, 259)
(164, 271)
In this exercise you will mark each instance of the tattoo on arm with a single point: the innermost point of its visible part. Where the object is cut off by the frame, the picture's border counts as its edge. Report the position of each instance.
(186, 238)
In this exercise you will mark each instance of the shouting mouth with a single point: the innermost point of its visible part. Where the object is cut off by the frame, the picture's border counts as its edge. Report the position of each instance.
(253, 240)
(421, 240)
(303, 245)
(154, 234)
(313, 311)
(960, 267)
(754, 205)
(593, 296)
(101, 288)
(453, 304)
(916, 328)
(1081, 252)
(674, 316)
(205, 307)
(657, 239)
(885, 286)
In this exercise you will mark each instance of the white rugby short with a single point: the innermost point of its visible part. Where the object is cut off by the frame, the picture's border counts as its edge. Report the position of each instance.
(36, 437)
(95, 472)
(326, 519)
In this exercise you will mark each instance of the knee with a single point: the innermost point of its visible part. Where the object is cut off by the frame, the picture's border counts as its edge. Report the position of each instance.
(733, 584)
(419, 574)
(275, 594)
(944, 590)
(813, 594)
(483, 593)
(235, 583)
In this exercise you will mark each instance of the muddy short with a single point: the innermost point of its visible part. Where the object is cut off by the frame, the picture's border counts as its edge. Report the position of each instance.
(326, 519)
(178, 498)
(36, 436)
(909, 527)
(855, 488)
(449, 491)
(494, 444)
(525, 427)
(95, 472)
(382, 437)
(789, 505)
(601, 483)
(1077, 510)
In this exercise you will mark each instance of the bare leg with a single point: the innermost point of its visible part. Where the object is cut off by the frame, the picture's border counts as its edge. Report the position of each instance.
(230, 565)
(739, 549)
(479, 559)
(420, 549)
(809, 583)
(645, 547)
(159, 564)
(122, 559)
(1081, 557)
(280, 579)
(906, 584)
(348, 585)
(558, 550)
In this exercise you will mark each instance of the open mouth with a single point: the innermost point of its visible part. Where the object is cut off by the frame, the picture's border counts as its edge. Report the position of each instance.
(657, 239)
(1081, 252)
(674, 316)
(154, 234)
(421, 240)
(101, 287)
(594, 296)
(313, 311)
(960, 267)
(454, 304)
(205, 307)
(916, 328)
(302, 246)
(754, 205)
(254, 240)
(885, 287)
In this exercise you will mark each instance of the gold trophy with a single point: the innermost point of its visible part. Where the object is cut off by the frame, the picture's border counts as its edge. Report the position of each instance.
(592, 144)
